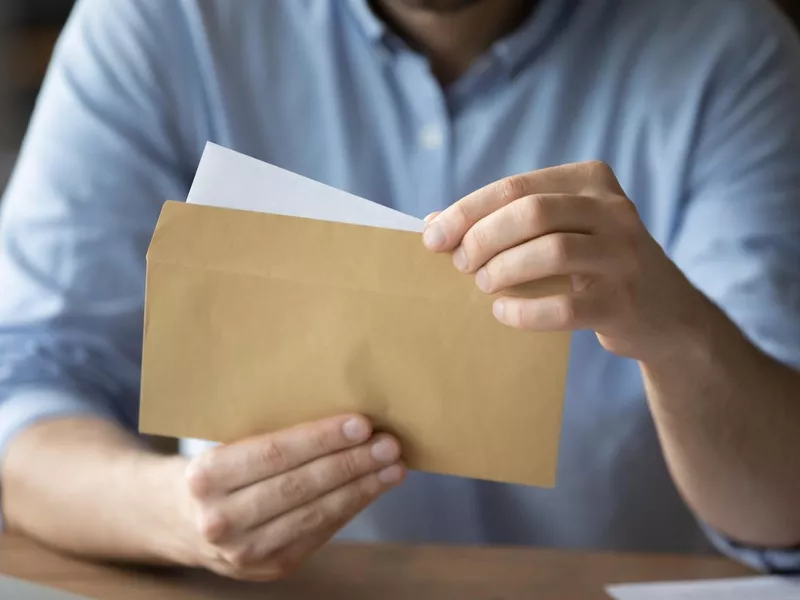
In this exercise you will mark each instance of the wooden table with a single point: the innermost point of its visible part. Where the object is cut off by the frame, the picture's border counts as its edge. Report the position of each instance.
(387, 572)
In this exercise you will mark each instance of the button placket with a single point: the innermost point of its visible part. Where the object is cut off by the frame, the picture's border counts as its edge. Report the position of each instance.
(430, 152)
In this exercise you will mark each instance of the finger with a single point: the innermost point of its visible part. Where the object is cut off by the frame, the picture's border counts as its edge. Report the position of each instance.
(286, 560)
(313, 520)
(446, 231)
(548, 256)
(227, 468)
(552, 313)
(524, 219)
(283, 562)
(432, 216)
(256, 504)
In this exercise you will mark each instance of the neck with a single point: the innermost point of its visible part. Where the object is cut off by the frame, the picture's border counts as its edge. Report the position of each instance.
(452, 40)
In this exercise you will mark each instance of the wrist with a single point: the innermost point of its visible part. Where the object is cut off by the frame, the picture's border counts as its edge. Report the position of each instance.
(693, 337)
(163, 524)
(700, 348)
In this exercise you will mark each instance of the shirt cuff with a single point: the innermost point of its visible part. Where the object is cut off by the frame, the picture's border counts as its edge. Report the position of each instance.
(32, 405)
(784, 561)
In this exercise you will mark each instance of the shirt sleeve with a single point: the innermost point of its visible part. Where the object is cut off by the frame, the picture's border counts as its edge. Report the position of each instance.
(739, 239)
(780, 561)
(111, 139)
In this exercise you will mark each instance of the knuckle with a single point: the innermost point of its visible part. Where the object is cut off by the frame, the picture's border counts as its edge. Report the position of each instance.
(368, 488)
(497, 271)
(213, 524)
(601, 178)
(349, 465)
(292, 489)
(581, 283)
(320, 443)
(198, 480)
(312, 519)
(529, 209)
(239, 557)
(510, 188)
(462, 216)
(599, 167)
(565, 312)
(272, 455)
(475, 242)
(559, 251)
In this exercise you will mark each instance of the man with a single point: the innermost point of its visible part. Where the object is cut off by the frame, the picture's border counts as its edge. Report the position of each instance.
(650, 151)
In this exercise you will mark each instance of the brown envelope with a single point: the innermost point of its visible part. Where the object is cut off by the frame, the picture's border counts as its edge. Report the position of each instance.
(255, 322)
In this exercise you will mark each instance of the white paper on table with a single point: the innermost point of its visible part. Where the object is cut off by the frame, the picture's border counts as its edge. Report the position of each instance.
(746, 588)
(23, 590)
(231, 180)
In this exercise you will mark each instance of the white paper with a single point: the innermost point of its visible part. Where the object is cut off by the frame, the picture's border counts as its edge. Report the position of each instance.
(747, 588)
(17, 589)
(231, 180)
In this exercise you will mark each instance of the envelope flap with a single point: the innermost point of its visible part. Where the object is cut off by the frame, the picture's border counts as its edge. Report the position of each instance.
(313, 252)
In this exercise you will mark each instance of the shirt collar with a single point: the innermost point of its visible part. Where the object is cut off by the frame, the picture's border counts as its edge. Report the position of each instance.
(372, 27)
(532, 36)
(513, 50)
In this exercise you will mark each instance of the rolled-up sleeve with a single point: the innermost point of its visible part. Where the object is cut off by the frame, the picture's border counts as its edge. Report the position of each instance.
(112, 135)
(739, 239)
(777, 561)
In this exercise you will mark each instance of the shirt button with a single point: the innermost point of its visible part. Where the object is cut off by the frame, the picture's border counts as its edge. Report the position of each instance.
(431, 137)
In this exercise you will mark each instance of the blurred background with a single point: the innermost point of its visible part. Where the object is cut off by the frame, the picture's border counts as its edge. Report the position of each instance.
(28, 30)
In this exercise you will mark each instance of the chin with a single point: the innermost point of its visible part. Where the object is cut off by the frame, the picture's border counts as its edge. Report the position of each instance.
(440, 5)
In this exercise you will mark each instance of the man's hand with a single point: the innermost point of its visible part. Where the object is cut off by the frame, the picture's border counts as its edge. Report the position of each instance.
(733, 464)
(573, 220)
(255, 509)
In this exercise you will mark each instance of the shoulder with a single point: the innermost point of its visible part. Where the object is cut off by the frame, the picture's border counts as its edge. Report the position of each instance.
(265, 20)
(678, 57)
(215, 19)
(701, 19)
(694, 35)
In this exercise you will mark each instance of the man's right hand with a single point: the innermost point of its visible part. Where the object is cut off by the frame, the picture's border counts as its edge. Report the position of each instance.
(256, 508)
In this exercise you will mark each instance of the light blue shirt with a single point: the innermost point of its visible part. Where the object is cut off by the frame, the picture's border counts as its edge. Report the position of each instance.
(694, 103)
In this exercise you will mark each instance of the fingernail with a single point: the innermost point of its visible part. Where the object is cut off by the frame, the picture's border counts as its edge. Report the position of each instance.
(356, 430)
(460, 259)
(482, 280)
(433, 237)
(499, 310)
(431, 217)
(385, 451)
(390, 474)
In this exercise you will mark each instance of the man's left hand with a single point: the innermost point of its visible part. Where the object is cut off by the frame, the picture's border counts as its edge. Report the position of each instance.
(573, 220)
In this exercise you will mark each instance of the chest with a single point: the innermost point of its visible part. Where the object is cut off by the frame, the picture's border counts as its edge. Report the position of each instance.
(379, 125)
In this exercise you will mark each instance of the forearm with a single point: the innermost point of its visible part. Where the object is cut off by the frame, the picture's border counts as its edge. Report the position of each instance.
(728, 417)
(86, 486)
